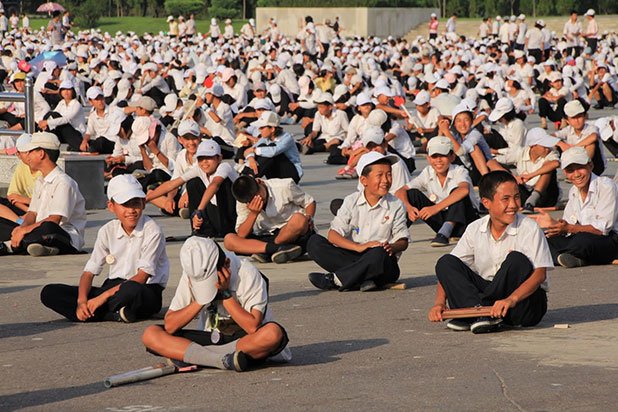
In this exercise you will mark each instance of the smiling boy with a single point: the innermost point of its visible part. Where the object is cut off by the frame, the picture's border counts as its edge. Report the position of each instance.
(133, 246)
(501, 261)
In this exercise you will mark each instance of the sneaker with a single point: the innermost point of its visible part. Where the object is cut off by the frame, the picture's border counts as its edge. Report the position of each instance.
(458, 325)
(287, 120)
(335, 205)
(282, 357)
(261, 257)
(567, 260)
(126, 316)
(351, 174)
(485, 325)
(285, 253)
(439, 241)
(324, 281)
(37, 249)
(368, 286)
(181, 366)
(598, 106)
(184, 213)
(341, 173)
(528, 209)
(235, 361)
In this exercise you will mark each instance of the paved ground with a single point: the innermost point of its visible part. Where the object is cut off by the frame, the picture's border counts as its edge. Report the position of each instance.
(353, 351)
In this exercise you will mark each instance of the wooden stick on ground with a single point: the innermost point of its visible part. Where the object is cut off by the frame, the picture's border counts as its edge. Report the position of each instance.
(475, 312)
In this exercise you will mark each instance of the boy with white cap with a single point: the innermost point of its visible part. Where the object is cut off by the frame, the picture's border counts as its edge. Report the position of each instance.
(66, 120)
(608, 132)
(424, 122)
(330, 126)
(501, 261)
(582, 133)
(551, 104)
(133, 245)
(152, 84)
(56, 217)
(104, 124)
(587, 234)
(604, 88)
(229, 297)
(442, 195)
(367, 235)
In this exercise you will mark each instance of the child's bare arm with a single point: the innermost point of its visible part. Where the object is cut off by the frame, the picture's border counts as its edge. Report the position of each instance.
(177, 319)
(340, 241)
(164, 188)
(435, 313)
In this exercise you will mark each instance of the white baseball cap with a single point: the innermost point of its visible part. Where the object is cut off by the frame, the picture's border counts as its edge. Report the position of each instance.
(386, 91)
(66, 84)
(590, 12)
(575, 155)
(189, 127)
(198, 258)
(603, 124)
(267, 118)
(538, 136)
(439, 145)
(503, 106)
(324, 98)
(146, 103)
(574, 108)
(123, 188)
(94, 92)
(208, 148)
(421, 98)
(363, 98)
(227, 74)
(372, 134)
(23, 141)
(169, 104)
(141, 130)
(554, 77)
(460, 108)
(370, 158)
(42, 140)
(442, 84)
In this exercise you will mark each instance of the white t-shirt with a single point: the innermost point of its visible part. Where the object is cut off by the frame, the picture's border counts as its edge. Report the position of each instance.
(224, 171)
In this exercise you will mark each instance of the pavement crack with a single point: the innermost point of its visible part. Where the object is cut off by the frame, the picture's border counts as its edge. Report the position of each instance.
(505, 392)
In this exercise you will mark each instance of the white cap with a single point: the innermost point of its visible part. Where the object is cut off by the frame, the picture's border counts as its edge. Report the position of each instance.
(216, 90)
(227, 74)
(603, 124)
(442, 84)
(149, 66)
(169, 103)
(123, 188)
(259, 85)
(372, 134)
(188, 127)
(575, 155)
(421, 98)
(574, 108)
(275, 93)
(386, 91)
(66, 84)
(554, 76)
(23, 141)
(324, 98)
(363, 98)
(439, 145)
(198, 258)
(590, 12)
(267, 119)
(141, 130)
(146, 103)
(538, 136)
(377, 117)
(460, 108)
(503, 106)
(369, 158)
(263, 104)
(94, 92)
(433, 15)
(518, 54)
(430, 78)
(208, 148)
(42, 140)
(170, 18)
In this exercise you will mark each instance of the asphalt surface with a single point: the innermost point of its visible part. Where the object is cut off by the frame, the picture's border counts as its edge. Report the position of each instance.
(352, 351)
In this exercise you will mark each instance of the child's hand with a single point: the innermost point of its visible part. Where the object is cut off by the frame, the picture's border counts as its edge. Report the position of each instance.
(82, 312)
(427, 212)
(388, 248)
(256, 204)
(368, 245)
(544, 220)
(435, 313)
(223, 282)
(561, 227)
(502, 306)
(95, 303)
(412, 213)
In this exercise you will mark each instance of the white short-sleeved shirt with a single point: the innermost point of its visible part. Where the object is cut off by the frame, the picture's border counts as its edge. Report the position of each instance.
(246, 284)
(430, 121)
(484, 255)
(428, 183)
(58, 194)
(568, 133)
(355, 129)
(514, 134)
(361, 223)
(335, 127)
(284, 199)
(72, 113)
(143, 249)
(107, 126)
(524, 164)
(535, 39)
(182, 165)
(599, 209)
(402, 142)
(224, 171)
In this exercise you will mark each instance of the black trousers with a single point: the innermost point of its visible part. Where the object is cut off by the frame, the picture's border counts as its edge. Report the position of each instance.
(594, 249)
(537, 54)
(495, 140)
(353, 268)
(6, 202)
(11, 119)
(66, 133)
(461, 213)
(546, 109)
(47, 234)
(155, 176)
(218, 220)
(278, 167)
(464, 288)
(549, 197)
(612, 146)
(141, 301)
(101, 145)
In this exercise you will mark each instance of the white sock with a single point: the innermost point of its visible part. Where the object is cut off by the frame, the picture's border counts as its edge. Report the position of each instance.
(211, 355)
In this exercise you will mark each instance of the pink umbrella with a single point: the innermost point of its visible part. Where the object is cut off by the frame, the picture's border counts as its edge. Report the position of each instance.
(49, 7)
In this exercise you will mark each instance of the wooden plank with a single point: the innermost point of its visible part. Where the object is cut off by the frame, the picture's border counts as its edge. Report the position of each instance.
(475, 312)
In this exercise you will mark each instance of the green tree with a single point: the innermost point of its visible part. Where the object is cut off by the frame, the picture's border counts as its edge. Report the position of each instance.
(223, 9)
(184, 7)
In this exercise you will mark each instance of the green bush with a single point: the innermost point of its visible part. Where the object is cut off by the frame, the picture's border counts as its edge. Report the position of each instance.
(88, 13)
(223, 9)
(184, 7)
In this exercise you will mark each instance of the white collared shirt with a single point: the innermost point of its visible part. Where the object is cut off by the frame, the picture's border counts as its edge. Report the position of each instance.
(72, 113)
(224, 171)
(284, 199)
(58, 194)
(384, 222)
(599, 209)
(521, 159)
(568, 133)
(428, 183)
(143, 249)
(478, 249)
(335, 127)
(107, 126)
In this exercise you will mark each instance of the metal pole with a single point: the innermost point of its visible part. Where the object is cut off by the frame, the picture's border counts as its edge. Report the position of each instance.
(29, 105)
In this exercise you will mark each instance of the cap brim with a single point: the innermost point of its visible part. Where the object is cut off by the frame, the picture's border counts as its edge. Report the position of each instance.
(125, 196)
(204, 291)
(495, 115)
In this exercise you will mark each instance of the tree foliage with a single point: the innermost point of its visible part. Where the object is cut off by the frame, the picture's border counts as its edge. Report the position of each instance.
(184, 7)
(223, 9)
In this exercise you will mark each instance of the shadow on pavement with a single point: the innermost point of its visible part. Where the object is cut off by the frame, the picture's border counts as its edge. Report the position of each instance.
(581, 314)
(326, 352)
(419, 281)
(44, 396)
(13, 330)
(291, 295)
(13, 289)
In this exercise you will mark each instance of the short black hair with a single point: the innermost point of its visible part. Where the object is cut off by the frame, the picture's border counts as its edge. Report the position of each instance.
(368, 168)
(52, 154)
(490, 182)
(221, 258)
(245, 188)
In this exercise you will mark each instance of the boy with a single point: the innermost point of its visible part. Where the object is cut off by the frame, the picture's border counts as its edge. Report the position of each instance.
(229, 296)
(587, 234)
(367, 235)
(442, 195)
(275, 219)
(133, 246)
(330, 126)
(501, 261)
(104, 124)
(56, 217)
(209, 187)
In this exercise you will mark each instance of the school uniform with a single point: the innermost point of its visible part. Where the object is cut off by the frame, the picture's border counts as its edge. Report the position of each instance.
(104, 130)
(481, 270)
(426, 190)
(554, 111)
(510, 137)
(54, 194)
(468, 143)
(328, 128)
(356, 220)
(143, 249)
(402, 146)
(600, 210)
(220, 214)
(598, 159)
(278, 158)
(68, 122)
